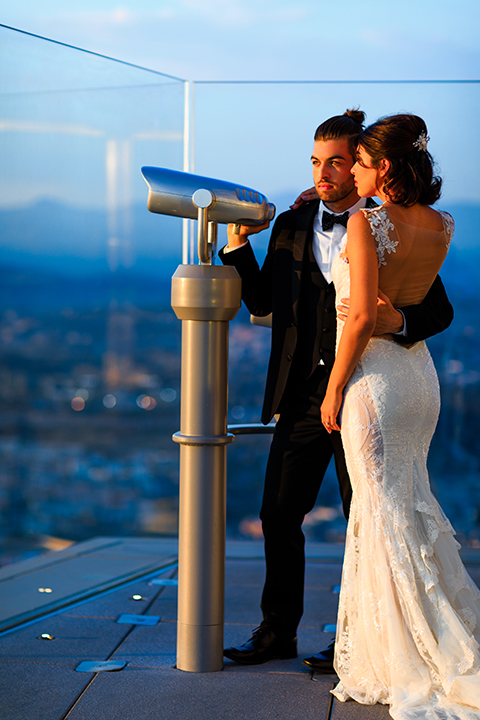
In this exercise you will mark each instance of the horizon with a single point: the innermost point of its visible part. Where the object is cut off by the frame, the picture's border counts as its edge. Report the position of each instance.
(37, 230)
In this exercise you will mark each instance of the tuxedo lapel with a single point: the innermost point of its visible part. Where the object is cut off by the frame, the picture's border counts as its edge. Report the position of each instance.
(303, 235)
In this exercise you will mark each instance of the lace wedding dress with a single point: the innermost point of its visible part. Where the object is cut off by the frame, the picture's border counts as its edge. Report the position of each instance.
(408, 627)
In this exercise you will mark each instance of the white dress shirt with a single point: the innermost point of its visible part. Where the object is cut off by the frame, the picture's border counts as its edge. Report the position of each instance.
(326, 244)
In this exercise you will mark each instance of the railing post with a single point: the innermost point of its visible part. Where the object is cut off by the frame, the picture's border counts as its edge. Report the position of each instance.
(205, 298)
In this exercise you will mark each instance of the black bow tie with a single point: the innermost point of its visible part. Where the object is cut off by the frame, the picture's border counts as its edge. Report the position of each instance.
(329, 220)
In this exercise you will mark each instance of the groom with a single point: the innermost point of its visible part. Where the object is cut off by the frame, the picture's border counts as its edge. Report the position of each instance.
(295, 285)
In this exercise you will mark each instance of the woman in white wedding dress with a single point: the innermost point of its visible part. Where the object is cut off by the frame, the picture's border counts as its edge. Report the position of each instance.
(408, 628)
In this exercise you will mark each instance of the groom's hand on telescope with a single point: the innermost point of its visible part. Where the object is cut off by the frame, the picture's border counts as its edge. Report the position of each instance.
(238, 234)
(389, 320)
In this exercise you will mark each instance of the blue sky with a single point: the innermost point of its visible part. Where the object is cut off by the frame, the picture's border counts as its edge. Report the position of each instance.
(256, 135)
(269, 40)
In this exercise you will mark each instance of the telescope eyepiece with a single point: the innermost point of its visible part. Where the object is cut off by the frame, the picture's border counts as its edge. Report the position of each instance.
(202, 198)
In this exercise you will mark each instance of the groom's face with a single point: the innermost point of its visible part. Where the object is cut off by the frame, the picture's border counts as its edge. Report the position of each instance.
(332, 163)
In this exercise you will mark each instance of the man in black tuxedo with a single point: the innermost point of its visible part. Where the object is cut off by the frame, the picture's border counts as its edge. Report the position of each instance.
(295, 285)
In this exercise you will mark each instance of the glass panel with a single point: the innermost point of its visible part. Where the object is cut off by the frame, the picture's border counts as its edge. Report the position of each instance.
(89, 361)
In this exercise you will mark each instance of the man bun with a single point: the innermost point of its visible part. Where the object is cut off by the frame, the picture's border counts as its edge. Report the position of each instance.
(356, 115)
(347, 126)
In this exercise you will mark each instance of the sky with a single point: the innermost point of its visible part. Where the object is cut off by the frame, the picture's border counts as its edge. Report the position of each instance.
(268, 40)
(252, 134)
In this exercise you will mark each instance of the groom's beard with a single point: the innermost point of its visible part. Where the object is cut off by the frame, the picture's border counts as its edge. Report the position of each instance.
(336, 192)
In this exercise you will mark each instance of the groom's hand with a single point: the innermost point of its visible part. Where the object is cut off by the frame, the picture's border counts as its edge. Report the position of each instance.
(238, 234)
(389, 320)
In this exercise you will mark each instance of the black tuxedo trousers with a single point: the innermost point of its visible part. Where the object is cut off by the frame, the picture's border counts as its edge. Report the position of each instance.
(300, 452)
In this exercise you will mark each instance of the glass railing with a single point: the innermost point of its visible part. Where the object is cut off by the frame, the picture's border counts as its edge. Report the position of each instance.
(90, 373)
(89, 377)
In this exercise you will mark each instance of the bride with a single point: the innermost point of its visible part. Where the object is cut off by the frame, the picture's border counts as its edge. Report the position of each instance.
(408, 627)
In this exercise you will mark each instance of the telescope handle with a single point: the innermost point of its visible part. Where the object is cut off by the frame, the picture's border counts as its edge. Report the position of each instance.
(203, 199)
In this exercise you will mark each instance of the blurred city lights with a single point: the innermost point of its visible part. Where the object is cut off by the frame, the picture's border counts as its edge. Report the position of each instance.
(146, 402)
(78, 403)
(82, 393)
(238, 412)
(109, 401)
(168, 395)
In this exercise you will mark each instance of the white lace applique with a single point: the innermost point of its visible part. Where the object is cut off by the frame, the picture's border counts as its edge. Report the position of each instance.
(468, 617)
(341, 254)
(449, 226)
(381, 226)
(458, 580)
(464, 663)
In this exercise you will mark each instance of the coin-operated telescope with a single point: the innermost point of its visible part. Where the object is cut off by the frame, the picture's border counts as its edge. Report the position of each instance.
(210, 201)
(205, 297)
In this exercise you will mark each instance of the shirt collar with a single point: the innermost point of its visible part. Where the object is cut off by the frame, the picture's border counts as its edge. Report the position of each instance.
(359, 205)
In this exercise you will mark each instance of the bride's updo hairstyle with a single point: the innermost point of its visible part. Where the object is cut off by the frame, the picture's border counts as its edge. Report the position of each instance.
(348, 126)
(402, 139)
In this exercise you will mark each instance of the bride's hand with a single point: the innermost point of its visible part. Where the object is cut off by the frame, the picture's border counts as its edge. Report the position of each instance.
(305, 197)
(330, 409)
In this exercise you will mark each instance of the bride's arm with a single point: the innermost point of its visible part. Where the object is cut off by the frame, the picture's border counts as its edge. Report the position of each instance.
(360, 323)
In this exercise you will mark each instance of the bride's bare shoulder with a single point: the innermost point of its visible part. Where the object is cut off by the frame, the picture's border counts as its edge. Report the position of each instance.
(422, 216)
(358, 221)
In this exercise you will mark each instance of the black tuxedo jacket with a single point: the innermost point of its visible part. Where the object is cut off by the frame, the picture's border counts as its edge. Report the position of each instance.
(277, 288)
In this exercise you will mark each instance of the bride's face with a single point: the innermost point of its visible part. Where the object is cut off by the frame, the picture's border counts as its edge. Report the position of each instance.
(368, 179)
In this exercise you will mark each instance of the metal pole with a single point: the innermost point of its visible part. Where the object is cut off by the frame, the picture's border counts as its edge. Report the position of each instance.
(187, 129)
(188, 165)
(205, 298)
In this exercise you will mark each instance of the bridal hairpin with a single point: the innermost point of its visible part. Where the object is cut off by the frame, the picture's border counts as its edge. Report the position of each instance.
(422, 142)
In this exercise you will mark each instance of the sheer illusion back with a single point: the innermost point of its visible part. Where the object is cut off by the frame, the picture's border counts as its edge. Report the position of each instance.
(410, 256)
(408, 627)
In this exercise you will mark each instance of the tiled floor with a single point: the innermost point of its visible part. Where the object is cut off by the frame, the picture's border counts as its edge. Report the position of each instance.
(39, 681)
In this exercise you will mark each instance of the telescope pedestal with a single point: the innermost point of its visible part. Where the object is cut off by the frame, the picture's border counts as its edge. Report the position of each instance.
(205, 298)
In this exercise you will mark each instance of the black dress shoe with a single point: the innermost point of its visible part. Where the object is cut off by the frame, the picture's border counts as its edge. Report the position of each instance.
(264, 645)
(322, 662)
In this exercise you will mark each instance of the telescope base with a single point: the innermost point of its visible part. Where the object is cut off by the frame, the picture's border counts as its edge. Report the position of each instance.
(199, 648)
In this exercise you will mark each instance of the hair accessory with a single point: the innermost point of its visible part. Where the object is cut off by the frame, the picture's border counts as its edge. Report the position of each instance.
(422, 142)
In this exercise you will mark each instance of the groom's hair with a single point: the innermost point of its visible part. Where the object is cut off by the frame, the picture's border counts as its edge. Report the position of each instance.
(348, 126)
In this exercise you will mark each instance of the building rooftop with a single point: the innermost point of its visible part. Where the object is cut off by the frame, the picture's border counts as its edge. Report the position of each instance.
(63, 609)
